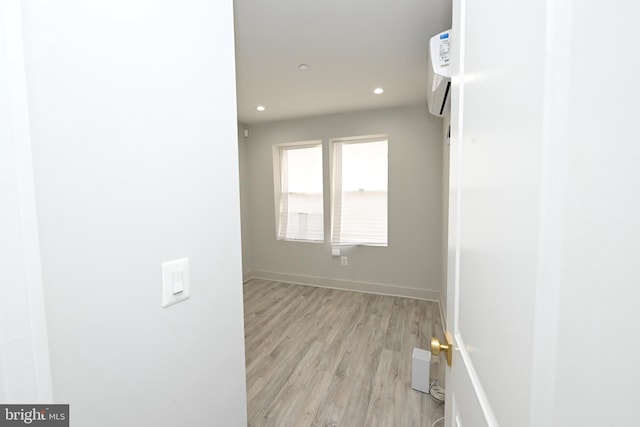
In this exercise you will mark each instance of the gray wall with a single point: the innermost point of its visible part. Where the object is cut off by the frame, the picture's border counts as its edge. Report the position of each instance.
(413, 257)
(446, 121)
(132, 107)
(243, 157)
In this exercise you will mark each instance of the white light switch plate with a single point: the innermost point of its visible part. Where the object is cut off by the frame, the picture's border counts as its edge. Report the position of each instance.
(175, 281)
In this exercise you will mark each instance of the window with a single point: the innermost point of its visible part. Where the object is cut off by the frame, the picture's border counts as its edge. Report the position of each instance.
(359, 191)
(298, 191)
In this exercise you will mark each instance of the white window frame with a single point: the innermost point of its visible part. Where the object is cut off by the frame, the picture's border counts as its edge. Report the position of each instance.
(335, 181)
(277, 185)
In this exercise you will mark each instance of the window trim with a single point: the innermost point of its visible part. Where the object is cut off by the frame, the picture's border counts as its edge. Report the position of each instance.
(277, 184)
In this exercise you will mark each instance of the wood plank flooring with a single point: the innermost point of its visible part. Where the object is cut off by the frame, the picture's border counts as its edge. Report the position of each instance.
(332, 358)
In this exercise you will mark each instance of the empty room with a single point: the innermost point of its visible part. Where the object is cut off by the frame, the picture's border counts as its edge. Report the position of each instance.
(342, 190)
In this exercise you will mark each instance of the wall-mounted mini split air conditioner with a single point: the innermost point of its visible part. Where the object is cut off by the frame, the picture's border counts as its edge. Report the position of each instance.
(439, 74)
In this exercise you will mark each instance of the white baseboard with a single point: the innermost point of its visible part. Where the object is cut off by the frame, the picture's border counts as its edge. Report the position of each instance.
(347, 285)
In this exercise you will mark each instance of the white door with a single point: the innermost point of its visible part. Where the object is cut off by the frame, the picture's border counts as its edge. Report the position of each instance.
(544, 228)
(496, 138)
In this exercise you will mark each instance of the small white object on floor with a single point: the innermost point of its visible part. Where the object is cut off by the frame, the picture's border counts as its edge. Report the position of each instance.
(420, 370)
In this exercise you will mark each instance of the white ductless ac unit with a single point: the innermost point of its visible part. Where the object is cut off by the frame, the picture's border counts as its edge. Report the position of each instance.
(439, 74)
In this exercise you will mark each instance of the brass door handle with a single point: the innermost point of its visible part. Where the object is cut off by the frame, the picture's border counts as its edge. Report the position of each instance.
(436, 347)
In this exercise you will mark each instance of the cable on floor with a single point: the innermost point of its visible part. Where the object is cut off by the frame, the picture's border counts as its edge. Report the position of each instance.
(437, 421)
(436, 392)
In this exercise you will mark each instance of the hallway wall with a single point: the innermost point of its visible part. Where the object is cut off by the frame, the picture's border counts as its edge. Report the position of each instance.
(25, 374)
(132, 108)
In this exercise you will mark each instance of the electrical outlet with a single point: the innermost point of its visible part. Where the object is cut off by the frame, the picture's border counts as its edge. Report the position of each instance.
(344, 260)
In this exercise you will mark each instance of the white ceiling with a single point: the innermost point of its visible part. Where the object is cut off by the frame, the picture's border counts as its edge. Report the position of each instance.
(351, 46)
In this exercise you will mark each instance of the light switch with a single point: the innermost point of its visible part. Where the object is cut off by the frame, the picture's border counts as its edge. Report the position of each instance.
(175, 281)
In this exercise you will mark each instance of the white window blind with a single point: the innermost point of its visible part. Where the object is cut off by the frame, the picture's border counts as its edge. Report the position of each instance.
(359, 192)
(299, 197)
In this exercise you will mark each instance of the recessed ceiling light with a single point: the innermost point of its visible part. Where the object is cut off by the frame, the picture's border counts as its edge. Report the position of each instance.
(260, 108)
(378, 91)
(303, 67)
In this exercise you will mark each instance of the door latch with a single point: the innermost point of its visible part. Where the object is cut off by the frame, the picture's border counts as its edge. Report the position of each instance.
(436, 347)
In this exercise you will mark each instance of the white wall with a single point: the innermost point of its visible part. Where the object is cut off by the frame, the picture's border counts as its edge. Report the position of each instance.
(25, 374)
(598, 321)
(132, 106)
(413, 259)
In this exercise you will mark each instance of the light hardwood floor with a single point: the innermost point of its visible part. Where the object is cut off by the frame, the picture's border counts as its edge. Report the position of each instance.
(326, 357)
